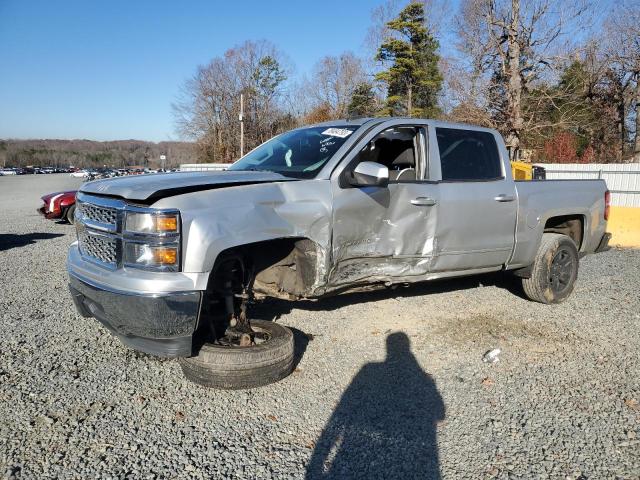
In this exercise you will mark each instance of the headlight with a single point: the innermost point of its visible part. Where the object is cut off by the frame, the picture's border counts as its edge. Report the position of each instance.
(150, 223)
(152, 257)
(152, 240)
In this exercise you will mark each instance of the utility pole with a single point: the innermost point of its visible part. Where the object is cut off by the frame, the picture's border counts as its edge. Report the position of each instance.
(241, 118)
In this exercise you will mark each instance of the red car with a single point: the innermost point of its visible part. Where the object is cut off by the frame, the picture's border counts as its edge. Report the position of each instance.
(59, 205)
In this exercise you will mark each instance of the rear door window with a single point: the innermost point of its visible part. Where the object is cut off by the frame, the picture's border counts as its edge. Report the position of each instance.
(468, 155)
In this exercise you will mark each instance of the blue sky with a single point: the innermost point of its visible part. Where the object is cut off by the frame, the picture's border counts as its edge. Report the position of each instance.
(110, 69)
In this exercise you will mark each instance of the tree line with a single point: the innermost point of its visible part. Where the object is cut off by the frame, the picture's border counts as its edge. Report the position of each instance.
(558, 83)
(88, 153)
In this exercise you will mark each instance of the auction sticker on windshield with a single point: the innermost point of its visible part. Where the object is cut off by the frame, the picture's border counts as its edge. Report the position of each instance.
(337, 132)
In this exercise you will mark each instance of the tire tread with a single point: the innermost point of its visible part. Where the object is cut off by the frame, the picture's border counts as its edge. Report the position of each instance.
(535, 287)
(249, 367)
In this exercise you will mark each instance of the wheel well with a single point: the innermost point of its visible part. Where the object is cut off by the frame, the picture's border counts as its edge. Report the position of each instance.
(569, 225)
(282, 268)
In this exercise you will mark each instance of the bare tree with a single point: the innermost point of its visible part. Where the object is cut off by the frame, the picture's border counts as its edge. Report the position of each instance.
(378, 31)
(510, 45)
(209, 105)
(622, 50)
(333, 81)
(464, 98)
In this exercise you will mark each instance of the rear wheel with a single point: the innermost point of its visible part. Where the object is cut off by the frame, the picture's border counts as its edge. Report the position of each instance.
(555, 270)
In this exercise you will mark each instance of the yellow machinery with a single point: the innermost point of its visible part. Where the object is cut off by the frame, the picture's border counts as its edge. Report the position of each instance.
(522, 171)
(526, 171)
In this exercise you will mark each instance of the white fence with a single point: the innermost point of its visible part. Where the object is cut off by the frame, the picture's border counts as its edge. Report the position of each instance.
(203, 167)
(623, 179)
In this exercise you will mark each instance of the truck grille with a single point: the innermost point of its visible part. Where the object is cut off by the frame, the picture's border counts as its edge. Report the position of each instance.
(102, 249)
(98, 227)
(94, 213)
(102, 238)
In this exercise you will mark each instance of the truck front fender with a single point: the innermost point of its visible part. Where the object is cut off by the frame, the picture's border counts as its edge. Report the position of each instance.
(215, 221)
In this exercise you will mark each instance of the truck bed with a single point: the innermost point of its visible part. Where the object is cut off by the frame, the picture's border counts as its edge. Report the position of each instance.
(539, 200)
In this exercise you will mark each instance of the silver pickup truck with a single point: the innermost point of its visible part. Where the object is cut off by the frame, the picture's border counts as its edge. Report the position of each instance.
(169, 262)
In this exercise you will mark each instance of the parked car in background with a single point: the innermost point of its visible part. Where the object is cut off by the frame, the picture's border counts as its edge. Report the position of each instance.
(79, 174)
(7, 171)
(59, 206)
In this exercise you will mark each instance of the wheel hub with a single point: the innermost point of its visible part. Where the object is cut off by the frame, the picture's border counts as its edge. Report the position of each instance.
(235, 289)
(561, 271)
(233, 338)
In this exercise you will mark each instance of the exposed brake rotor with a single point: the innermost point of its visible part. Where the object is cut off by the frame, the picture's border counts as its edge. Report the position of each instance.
(238, 332)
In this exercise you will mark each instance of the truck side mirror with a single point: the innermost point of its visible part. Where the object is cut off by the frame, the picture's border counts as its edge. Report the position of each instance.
(369, 174)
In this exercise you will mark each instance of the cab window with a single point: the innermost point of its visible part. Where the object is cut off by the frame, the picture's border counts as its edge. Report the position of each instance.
(468, 155)
(396, 148)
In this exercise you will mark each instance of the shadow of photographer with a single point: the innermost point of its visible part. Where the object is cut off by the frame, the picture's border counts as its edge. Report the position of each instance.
(385, 423)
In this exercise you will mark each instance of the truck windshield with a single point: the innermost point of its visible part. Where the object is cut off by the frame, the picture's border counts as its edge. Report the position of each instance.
(299, 153)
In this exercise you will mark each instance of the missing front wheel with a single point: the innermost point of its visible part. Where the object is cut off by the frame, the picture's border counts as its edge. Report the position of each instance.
(231, 290)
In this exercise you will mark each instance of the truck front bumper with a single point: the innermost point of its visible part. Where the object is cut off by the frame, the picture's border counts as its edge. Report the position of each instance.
(159, 324)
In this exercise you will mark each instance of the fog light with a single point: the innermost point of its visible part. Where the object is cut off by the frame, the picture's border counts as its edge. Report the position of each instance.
(165, 256)
(153, 257)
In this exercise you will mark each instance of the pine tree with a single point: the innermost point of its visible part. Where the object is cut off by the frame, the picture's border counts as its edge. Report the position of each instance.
(413, 80)
(363, 101)
(268, 77)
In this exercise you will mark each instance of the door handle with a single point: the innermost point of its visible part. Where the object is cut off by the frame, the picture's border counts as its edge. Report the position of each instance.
(504, 198)
(423, 202)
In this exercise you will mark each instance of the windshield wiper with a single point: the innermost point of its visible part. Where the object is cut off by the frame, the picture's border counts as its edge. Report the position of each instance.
(254, 169)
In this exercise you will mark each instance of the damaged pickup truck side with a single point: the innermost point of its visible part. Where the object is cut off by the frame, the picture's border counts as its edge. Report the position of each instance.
(168, 262)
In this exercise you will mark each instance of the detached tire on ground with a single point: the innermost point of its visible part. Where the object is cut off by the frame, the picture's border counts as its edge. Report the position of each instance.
(235, 368)
(555, 270)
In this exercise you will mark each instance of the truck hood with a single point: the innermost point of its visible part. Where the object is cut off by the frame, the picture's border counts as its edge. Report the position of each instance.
(150, 188)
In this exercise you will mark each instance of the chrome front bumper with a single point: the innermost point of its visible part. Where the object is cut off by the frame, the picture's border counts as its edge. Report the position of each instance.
(158, 324)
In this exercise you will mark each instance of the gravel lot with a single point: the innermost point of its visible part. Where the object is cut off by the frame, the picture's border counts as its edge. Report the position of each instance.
(389, 384)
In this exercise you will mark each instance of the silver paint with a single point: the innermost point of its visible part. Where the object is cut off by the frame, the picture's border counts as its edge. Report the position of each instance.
(402, 233)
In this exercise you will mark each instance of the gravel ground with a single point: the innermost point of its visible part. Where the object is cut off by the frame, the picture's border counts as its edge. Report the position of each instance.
(389, 384)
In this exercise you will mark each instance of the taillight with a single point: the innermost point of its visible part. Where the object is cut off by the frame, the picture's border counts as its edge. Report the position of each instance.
(607, 204)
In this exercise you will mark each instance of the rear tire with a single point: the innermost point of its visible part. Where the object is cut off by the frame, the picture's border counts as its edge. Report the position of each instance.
(554, 271)
(70, 214)
(232, 368)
